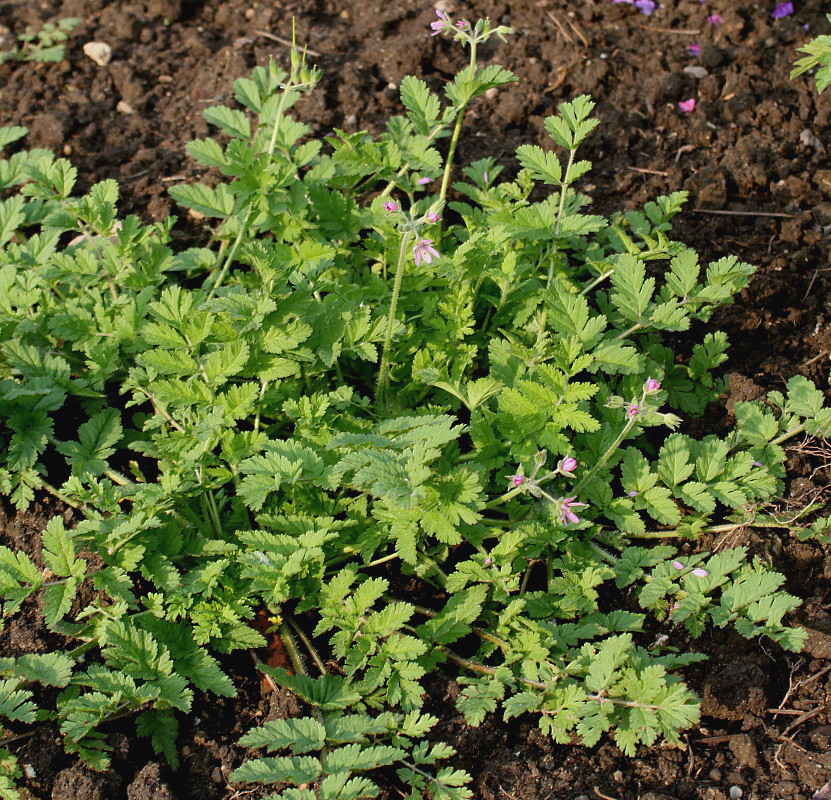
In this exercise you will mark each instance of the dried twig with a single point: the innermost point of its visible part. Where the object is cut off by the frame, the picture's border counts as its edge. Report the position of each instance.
(286, 42)
(649, 171)
(604, 796)
(815, 359)
(562, 76)
(560, 27)
(744, 213)
(670, 30)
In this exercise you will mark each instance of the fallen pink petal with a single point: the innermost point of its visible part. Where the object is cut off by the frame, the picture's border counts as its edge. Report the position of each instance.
(694, 50)
(677, 565)
(686, 106)
(700, 573)
(645, 6)
(715, 19)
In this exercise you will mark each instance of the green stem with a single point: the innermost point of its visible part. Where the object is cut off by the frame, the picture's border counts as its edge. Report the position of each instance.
(448, 165)
(788, 434)
(597, 280)
(278, 118)
(287, 639)
(383, 372)
(307, 643)
(561, 210)
(605, 457)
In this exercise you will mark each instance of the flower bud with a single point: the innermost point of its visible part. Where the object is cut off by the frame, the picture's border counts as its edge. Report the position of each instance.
(517, 481)
(390, 207)
(568, 464)
(651, 386)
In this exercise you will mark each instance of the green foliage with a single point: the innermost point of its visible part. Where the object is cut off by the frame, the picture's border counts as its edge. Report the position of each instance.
(44, 44)
(818, 55)
(218, 425)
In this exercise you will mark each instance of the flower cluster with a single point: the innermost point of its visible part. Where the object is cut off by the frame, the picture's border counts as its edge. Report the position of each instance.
(444, 24)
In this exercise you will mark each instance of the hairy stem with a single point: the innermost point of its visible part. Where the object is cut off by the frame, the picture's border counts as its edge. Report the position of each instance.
(383, 372)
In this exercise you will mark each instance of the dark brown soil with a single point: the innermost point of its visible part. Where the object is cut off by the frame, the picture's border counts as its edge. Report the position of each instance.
(756, 142)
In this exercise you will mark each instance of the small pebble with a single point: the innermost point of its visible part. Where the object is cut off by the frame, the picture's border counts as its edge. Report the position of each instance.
(617, 776)
(165, 79)
(735, 793)
(344, 14)
(29, 772)
(124, 108)
(695, 71)
(99, 52)
(216, 775)
(249, 14)
(715, 774)
(67, 149)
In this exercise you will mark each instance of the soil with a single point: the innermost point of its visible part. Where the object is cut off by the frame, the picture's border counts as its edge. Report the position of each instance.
(754, 157)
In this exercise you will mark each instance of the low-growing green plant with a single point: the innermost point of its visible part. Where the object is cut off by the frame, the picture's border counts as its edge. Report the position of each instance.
(44, 44)
(358, 380)
(818, 55)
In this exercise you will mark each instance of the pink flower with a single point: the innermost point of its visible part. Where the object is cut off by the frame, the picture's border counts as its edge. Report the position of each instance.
(440, 25)
(566, 514)
(488, 562)
(462, 24)
(700, 573)
(652, 385)
(568, 464)
(685, 106)
(390, 206)
(432, 216)
(517, 481)
(423, 251)
(715, 19)
(694, 50)
(633, 410)
(782, 10)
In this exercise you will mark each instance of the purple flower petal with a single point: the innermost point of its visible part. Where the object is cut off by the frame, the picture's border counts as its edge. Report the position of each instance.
(677, 565)
(782, 10)
(694, 50)
(700, 573)
(645, 6)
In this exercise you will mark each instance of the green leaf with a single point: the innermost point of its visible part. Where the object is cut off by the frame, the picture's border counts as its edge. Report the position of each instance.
(674, 460)
(217, 202)
(423, 106)
(11, 133)
(299, 735)
(299, 769)
(544, 166)
(59, 551)
(232, 122)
